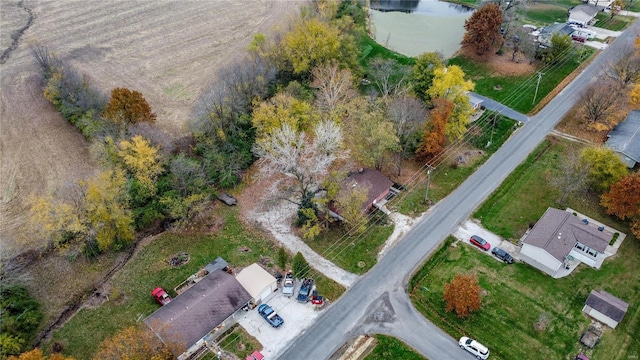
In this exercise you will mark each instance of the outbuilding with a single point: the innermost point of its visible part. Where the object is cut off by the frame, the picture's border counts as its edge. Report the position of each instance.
(258, 282)
(605, 308)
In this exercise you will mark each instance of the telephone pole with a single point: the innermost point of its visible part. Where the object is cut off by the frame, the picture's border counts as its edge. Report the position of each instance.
(426, 193)
(537, 85)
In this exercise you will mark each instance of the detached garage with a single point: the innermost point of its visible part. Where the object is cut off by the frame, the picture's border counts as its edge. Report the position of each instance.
(258, 282)
(605, 308)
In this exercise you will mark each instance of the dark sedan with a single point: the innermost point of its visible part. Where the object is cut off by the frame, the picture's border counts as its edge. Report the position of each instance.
(502, 255)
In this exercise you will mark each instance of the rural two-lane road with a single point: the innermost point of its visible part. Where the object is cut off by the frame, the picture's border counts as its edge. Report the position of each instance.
(378, 302)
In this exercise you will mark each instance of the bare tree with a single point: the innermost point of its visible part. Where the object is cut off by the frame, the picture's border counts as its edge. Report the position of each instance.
(522, 43)
(573, 175)
(598, 101)
(305, 158)
(408, 114)
(626, 70)
(333, 86)
(389, 77)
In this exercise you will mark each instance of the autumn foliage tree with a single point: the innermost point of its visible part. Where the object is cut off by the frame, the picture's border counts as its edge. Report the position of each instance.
(423, 74)
(462, 295)
(142, 160)
(597, 104)
(605, 167)
(434, 138)
(128, 107)
(623, 200)
(483, 29)
(36, 354)
(133, 343)
(449, 83)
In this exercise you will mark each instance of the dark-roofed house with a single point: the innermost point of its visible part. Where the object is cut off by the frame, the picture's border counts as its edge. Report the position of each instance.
(624, 139)
(605, 308)
(210, 304)
(378, 185)
(547, 32)
(560, 240)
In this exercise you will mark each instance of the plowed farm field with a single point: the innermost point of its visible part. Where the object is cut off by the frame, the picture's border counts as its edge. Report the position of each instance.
(168, 50)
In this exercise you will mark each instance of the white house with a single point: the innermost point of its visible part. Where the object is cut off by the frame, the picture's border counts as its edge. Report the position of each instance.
(258, 283)
(582, 15)
(605, 308)
(561, 240)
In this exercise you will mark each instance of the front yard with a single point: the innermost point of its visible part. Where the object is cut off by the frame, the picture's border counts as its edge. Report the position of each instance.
(526, 314)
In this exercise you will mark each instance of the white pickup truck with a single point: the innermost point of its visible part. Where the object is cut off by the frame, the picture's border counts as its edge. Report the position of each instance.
(288, 284)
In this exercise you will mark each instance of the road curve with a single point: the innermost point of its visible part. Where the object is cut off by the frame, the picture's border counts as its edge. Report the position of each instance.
(375, 300)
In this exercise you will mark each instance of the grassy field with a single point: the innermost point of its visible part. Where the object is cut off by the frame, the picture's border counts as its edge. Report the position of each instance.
(518, 92)
(446, 177)
(354, 253)
(129, 297)
(521, 305)
(526, 314)
(388, 347)
(618, 23)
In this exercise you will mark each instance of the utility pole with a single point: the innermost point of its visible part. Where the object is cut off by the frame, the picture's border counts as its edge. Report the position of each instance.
(426, 193)
(537, 85)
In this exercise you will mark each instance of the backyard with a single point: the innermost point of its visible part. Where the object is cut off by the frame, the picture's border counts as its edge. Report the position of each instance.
(519, 303)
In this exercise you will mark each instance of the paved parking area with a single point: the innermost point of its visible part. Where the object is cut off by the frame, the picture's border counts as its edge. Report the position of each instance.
(297, 318)
(470, 227)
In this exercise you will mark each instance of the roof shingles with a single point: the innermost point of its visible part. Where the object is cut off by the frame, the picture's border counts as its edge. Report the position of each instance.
(608, 305)
(197, 311)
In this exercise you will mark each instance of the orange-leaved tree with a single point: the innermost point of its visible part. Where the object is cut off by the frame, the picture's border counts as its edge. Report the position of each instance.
(462, 295)
(128, 107)
(483, 29)
(36, 354)
(133, 343)
(434, 137)
(623, 200)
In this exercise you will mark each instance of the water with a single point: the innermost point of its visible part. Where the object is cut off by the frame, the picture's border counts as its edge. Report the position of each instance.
(413, 27)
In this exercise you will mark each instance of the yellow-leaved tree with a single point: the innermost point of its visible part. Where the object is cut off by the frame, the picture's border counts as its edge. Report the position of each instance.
(282, 109)
(142, 160)
(634, 95)
(56, 221)
(450, 84)
(133, 343)
(107, 209)
(311, 43)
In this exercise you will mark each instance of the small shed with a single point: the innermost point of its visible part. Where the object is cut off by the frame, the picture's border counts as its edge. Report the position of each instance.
(605, 308)
(258, 282)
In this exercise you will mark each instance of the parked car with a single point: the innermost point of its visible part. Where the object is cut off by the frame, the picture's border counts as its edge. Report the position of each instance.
(480, 242)
(478, 350)
(270, 315)
(581, 357)
(305, 290)
(502, 255)
(161, 296)
(288, 285)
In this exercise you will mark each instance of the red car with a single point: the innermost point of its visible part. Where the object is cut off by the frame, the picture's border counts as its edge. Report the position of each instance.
(161, 296)
(480, 242)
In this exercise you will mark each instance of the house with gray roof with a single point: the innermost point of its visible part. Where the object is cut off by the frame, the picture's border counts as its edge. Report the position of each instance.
(210, 305)
(546, 33)
(560, 240)
(624, 139)
(582, 15)
(605, 308)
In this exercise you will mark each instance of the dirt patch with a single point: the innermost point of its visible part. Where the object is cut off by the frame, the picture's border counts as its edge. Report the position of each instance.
(179, 259)
(501, 65)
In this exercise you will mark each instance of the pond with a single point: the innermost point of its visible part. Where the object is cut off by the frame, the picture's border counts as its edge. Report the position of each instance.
(417, 26)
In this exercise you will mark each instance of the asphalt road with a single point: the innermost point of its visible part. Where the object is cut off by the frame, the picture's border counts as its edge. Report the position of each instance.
(377, 302)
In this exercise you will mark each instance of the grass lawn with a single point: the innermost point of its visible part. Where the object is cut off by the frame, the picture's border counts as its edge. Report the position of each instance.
(518, 92)
(130, 300)
(354, 253)
(446, 177)
(370, 49)
(239, 342)
(388, 347)
(518, 298)
(618, 23)
(526, 314)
